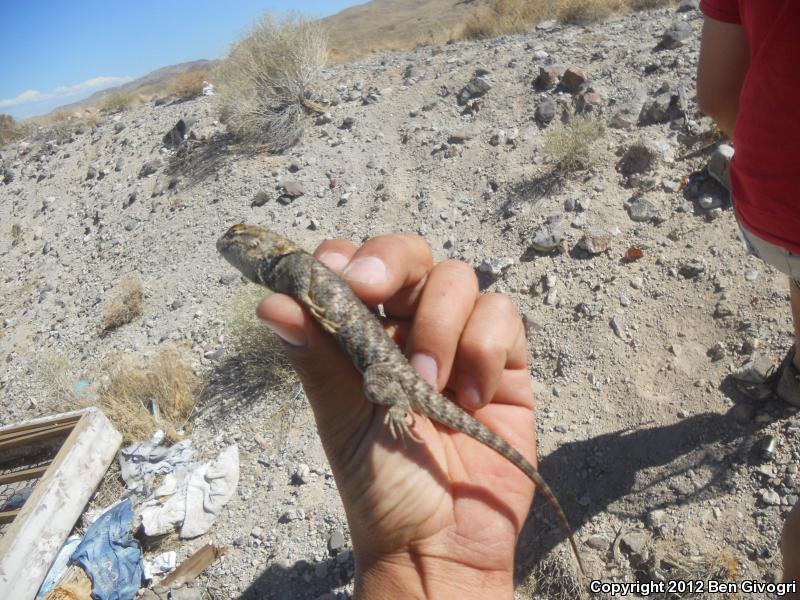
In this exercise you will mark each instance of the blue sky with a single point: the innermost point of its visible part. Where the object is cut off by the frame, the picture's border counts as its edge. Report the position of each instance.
(53, 52)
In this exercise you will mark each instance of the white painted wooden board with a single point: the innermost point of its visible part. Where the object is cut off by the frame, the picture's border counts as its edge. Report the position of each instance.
(32, 541)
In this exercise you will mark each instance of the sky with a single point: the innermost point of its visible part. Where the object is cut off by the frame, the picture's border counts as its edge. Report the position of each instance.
(54, 52)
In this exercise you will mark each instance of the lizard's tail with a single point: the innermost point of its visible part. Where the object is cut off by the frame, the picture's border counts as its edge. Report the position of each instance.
(486, 436)
(526, 467)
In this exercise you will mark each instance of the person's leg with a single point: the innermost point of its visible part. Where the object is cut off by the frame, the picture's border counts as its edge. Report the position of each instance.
(794, 295)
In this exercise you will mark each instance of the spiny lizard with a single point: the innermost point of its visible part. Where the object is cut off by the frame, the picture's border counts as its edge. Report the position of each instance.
(277, 263)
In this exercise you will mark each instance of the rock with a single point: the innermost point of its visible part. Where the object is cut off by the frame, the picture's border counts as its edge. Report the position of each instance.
(751, 274)
(548, 78)
(659, 110)
(709, 202)
(324, 119)
(572, 79)
(91, 172)
(628, 114)
(47, 203)
(717, 352)
(656, 519)
(150, 167)
(549, 235)
(475, 88)
(495, 266)
(588, 102)
(545, 111)
(119, 126)
(336, 541)
(635, 542)
(719, 165)
(293, 189)
(561, 428)
(301, 474)
(770, 498)
(598, 542)
(260, 199)
(692, 268)
(676, 34)
(754, 371)
(128, 202)
(688, 5)
(347, 123)
(595, 240)
(228, 278)
(294, 167)
(258, 533)
(642, 210)
(177, 135)
(644, 156)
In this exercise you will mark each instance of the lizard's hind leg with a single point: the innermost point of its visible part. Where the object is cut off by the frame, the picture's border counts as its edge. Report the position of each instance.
(382, 389)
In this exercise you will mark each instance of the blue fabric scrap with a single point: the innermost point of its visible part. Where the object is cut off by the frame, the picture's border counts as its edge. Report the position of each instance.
(110, 555)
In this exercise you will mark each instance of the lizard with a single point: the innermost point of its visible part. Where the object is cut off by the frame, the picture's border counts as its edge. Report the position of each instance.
(277, 263)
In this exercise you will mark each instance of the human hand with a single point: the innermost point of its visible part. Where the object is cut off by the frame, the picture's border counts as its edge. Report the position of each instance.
(442, 518)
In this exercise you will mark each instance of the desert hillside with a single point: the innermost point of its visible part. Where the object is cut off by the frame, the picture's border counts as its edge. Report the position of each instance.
(567, 165)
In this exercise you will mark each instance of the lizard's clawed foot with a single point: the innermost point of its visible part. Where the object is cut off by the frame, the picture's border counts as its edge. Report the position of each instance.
(396, 419)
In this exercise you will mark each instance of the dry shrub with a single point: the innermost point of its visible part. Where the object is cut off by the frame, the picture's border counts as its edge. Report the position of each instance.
(266, 85)
(504, 17)
(115, 102)
(127, 397)
(584, 12)
(568, 148)
(124, 306)
(259, 350)
(190, 84)
(10, 130)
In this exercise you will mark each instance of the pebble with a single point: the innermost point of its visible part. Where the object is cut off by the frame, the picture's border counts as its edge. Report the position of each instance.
(598, 542)
(549, 235)
(561, 428)
(642, 210)
(336, 541)
(770, 497)
(301, 474)
(751, 274)
(495, 266)
(595, 240)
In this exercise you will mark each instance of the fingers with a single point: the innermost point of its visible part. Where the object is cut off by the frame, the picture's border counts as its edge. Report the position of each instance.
(388, 269)
(492, 341)
(444, 308)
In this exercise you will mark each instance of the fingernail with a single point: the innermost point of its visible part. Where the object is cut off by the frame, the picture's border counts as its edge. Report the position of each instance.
(469, 394)
(366, 270)
(426, 366)
(334, 261)
(291, 335)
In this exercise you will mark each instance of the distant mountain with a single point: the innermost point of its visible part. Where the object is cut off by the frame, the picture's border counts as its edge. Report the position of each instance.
(153, 83)
(387, 24)
(356, 31)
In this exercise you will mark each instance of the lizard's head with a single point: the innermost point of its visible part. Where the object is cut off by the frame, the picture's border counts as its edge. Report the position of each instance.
(253, 250)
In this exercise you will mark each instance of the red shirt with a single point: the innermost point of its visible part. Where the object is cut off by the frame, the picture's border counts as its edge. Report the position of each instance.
(765, 171)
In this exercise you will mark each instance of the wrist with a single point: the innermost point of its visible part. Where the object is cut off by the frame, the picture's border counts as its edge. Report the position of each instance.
(413, 576)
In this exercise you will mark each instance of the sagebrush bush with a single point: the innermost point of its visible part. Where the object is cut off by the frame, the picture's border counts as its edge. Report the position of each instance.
(124, 306)
(568, 148)
(190, 84)
(267, 84)
(117, 101)
(10, 130)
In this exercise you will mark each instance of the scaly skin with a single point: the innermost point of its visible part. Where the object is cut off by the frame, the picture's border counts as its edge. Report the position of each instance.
(275, 262)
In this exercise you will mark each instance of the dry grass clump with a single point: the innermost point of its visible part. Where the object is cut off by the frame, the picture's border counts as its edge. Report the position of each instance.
(190, 84)
(10, 129)
(125, 305)
(16, 234)
(568, 148)
(115, 102)
(584, 12)
(266, 85)
(507, 17)
(504, 17)
(132, 391)
(259, 350)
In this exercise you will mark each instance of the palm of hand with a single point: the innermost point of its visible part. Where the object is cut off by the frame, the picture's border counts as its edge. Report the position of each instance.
(450, 496)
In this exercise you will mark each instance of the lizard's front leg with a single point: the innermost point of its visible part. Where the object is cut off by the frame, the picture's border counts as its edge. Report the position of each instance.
(382, 388)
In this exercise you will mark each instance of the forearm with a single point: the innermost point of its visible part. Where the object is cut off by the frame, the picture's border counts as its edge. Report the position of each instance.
(415, 577)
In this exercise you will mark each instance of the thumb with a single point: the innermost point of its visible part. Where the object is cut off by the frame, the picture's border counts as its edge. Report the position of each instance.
(331, 382)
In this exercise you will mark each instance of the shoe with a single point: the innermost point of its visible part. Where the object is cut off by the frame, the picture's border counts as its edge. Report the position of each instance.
(789, 385)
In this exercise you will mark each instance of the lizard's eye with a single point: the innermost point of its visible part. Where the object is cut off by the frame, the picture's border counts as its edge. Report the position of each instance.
(254, 242)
